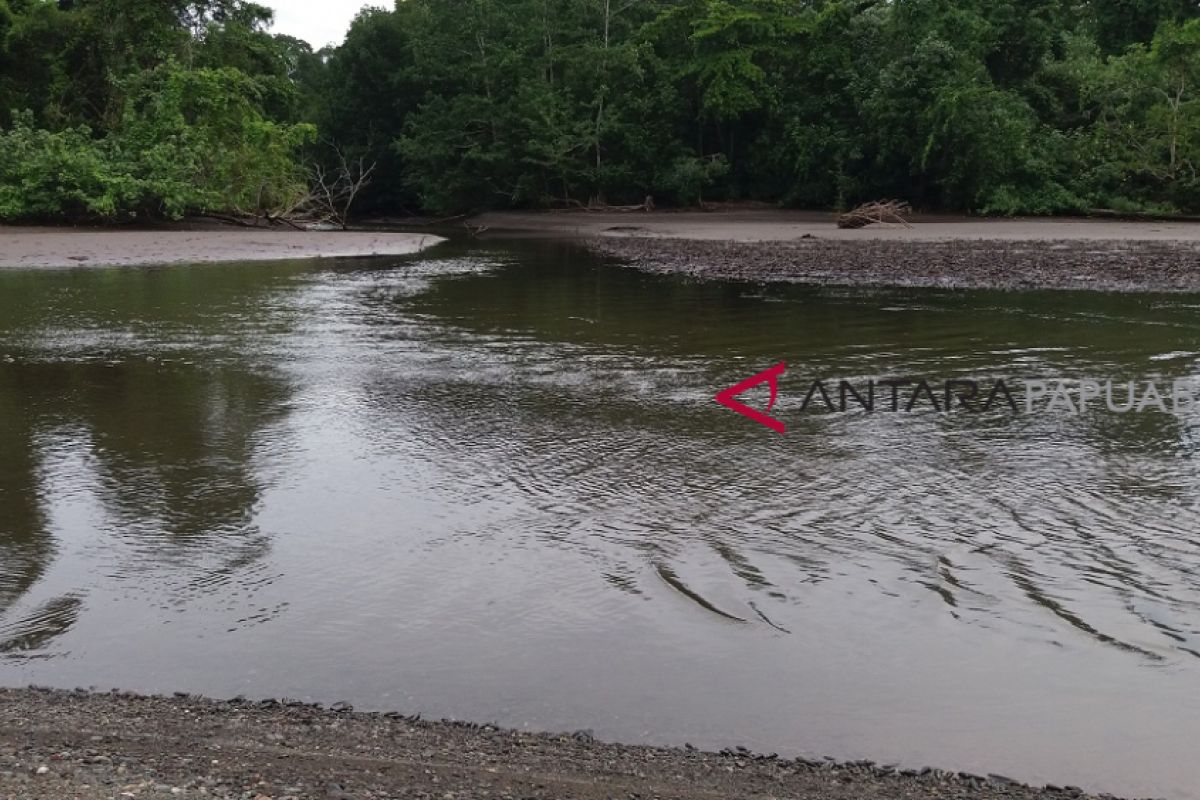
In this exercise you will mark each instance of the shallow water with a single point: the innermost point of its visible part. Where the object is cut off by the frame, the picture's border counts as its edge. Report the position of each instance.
(490, 483)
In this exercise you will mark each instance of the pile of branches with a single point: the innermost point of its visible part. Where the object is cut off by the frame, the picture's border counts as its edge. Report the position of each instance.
(882, 211)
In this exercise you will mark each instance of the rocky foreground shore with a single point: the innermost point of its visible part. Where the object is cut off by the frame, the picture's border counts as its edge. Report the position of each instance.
(57, 745)
(1124, 266)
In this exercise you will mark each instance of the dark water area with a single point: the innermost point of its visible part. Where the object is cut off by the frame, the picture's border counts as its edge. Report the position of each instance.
(490, 483)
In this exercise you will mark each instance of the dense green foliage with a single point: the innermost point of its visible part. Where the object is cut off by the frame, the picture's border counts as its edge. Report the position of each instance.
(117, 108)
(995, 106)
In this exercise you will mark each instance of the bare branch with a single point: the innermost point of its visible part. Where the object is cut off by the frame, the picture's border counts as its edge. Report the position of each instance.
(884, 212)
(333, 191)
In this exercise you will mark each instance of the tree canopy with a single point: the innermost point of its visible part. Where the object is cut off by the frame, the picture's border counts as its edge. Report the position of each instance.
(119, 107)
(114, 108)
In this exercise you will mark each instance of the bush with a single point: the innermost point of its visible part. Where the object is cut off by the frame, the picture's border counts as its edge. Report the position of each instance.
(189, 141)
(687, 177)
(61, 174)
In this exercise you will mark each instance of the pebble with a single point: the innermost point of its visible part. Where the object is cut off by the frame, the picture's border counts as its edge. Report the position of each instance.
(248, 770)
(981, 264)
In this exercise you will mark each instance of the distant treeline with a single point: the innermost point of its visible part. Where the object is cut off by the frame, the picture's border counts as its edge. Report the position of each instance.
(112, 108)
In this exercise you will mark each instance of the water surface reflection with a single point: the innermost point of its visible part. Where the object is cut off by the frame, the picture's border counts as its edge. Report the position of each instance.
(489, 482)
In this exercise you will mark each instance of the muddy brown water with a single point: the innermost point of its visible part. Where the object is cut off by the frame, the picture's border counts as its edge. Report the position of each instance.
(489, 482)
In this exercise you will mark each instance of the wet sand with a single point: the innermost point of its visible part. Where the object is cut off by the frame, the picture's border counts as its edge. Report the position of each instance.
(759, 244)
(57, 248)
(776, 225)
(939, 252)
(59, 744)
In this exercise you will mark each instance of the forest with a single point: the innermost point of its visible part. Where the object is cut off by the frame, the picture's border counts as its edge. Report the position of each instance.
(116, 110)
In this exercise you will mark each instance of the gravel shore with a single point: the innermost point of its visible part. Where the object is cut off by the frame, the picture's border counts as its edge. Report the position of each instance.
(1103, 265)
(769, 224)
(56, 744)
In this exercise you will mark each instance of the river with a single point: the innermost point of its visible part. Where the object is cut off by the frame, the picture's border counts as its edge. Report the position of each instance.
(489, 482)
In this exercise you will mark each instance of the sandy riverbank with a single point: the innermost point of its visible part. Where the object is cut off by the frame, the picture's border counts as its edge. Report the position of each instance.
(58, 745)
(41, 248)
(776, 225)
(800, 247)
(748, 244)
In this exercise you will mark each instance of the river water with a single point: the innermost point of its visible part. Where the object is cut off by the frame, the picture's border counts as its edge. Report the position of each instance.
(490, 483)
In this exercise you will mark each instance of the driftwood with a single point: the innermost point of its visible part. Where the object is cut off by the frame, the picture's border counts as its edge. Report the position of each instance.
(437, 221)
(327, 200)
(883, 211)
(575, 205)
(244, 219)
(242, 222)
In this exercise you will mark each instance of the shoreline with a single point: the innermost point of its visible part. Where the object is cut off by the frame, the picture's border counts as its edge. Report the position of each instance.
(56, 744)
(74, 248)
(1108, 266)
(742, 244)
(770, 245)
(770, 224)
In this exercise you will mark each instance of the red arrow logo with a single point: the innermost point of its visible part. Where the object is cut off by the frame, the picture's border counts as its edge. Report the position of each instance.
(726, 397)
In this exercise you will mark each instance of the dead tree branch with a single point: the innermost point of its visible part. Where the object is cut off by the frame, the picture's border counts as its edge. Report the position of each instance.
(885, 212)
(333, 190)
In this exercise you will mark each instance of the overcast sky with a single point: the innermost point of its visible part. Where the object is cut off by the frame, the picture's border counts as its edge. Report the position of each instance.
(318, 22)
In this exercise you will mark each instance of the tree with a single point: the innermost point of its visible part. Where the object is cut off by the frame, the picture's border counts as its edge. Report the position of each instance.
(1147, 133)
(146, 108)
(1118, 24)
(995, 106)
